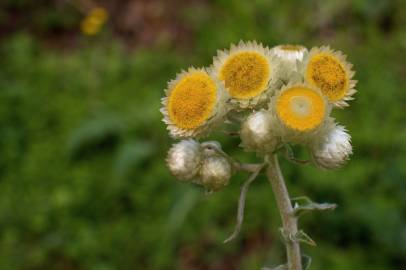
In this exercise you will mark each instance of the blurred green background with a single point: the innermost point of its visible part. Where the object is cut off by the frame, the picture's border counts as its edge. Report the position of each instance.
(83, 182)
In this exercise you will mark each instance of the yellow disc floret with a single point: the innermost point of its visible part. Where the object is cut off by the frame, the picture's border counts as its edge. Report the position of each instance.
(301, 108)
(192, 100)
(246, 74)
(326, 72)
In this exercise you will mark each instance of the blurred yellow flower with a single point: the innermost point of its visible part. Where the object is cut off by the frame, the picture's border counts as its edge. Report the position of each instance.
(94, 21)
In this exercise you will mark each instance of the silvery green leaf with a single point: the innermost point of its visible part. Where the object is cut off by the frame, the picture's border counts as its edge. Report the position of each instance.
(301, 236)
(241, 205)
(304, 204)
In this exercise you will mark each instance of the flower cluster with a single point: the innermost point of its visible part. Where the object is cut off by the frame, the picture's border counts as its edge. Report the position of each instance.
(203, 164)
(279, 96)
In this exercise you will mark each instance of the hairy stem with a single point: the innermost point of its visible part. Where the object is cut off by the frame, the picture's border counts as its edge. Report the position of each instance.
(289, 221)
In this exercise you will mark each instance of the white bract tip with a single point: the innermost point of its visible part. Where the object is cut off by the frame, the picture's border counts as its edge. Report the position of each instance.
(184, 159)
(291, 53)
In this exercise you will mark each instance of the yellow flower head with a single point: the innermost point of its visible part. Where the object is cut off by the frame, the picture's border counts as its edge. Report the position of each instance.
(331, 73)
(247, 70)
(193, 102)
(301, 111)
(94, 21)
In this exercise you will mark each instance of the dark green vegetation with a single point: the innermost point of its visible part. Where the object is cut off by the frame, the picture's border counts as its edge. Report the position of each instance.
(83, 182)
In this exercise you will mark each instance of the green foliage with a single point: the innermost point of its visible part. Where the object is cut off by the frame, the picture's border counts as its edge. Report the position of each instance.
(83, 182)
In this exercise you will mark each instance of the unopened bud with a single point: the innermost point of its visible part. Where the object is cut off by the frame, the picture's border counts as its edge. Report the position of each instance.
(184, 159)
(215, 172)
(257, 133)
(333, 149)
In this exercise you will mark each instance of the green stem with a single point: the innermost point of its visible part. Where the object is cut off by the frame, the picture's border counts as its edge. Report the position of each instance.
(289, 221)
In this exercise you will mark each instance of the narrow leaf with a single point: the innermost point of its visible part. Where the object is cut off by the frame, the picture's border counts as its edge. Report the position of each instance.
(301, 236)
(289, 155)
(241, 205)
(308, 205)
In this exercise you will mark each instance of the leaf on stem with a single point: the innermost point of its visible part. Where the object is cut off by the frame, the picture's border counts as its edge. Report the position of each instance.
(241, 205)
(303, 237)
(304, 204)
(289, 155)
(300, 236)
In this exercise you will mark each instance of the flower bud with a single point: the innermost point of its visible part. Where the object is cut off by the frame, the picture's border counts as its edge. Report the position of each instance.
(184, 159)
(257, 133)
(289, 56)
(211, 148)
(215, 172)
(333, 149)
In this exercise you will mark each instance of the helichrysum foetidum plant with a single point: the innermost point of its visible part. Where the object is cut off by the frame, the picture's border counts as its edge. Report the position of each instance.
(272, 99)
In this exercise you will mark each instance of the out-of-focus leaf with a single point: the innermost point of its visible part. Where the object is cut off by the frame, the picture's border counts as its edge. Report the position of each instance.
(131, 155)
(306, 262)
(95, 133)
(181, 208)
(280, 267)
